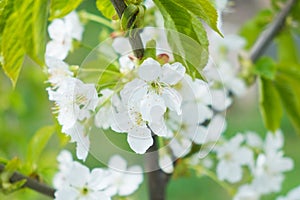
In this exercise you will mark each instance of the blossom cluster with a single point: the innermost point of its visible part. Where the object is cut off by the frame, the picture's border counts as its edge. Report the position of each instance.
(75, 181)
(74, 100)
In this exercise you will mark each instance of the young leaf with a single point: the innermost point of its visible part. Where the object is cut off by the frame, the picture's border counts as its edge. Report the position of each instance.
(6, 8)
(287, 47)
(34, 14)
(106, 8)
(187, 40)
(288, 88)
(266, 68)
(38, 143)
(270, 105)
(15, 43)
(12, 48)
(60, 8)
(202, 9)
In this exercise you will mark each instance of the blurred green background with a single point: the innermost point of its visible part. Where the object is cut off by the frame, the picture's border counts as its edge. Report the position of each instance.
(26, 109)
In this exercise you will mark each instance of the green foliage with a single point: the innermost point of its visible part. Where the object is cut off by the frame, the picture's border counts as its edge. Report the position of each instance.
(202, 9)
(15, 43)
(6, 7)
(60, 8)
(185, 38)
(287, 47)
(265, 67)
(288, 86)
(12, 49)
(270, 105)
(251, 30)
(6, 186)
(37, 144)
(106, 8)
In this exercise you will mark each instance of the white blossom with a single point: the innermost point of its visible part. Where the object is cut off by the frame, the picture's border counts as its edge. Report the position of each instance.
(58, 71)
(81, 184)
(65, 161)
(270, 165)
(123, 180)
(62, 32)
(75, 101)
(232, 156)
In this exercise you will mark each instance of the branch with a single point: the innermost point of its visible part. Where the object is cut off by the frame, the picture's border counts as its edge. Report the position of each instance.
(157, 180)
(31, 183)
(134, 38)
(267, 36)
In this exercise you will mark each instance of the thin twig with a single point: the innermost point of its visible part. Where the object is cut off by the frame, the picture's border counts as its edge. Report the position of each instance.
(134, 38)
(267, 36)
(31, 183)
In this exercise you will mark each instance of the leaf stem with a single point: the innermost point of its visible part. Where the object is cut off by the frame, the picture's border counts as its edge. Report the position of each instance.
(31, 183)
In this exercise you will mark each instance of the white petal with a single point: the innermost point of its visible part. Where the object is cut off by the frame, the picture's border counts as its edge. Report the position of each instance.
(152, 107)
(139, 139)
(121, 45)
(220, 100)
(160, 128)
(68, 193)
(126, 64)
(74, 25)
(149, 70)
(74, 179)
(229, 171)
(99, 179)
(118, 163)
(166, 163)
(57, 30)
(172, 99)
(172, 74)
(57, 49)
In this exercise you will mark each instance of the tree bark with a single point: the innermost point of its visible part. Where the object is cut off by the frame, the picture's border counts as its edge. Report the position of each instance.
(157, 179)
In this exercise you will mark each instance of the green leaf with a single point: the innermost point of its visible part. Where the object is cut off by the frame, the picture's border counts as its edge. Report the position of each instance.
(287, 47)
(34, 28)
(12, 48)
(30, 16)
(106, 8)
(265, 67)
(60, 8)
(288, 86)
(185, 38)
(38, 143)
(270, 105)
(202, 9)
(6, 8)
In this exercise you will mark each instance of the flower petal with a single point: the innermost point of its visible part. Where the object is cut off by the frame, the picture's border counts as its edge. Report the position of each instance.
(149, 70)
(139, 139)
(172, 74)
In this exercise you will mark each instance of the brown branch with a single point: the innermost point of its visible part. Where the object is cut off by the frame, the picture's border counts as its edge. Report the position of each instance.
(267, 36)
(31, 183)
(134, 38)
(157, 179)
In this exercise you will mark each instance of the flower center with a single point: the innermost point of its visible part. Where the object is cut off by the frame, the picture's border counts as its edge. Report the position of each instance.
(84, 191)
